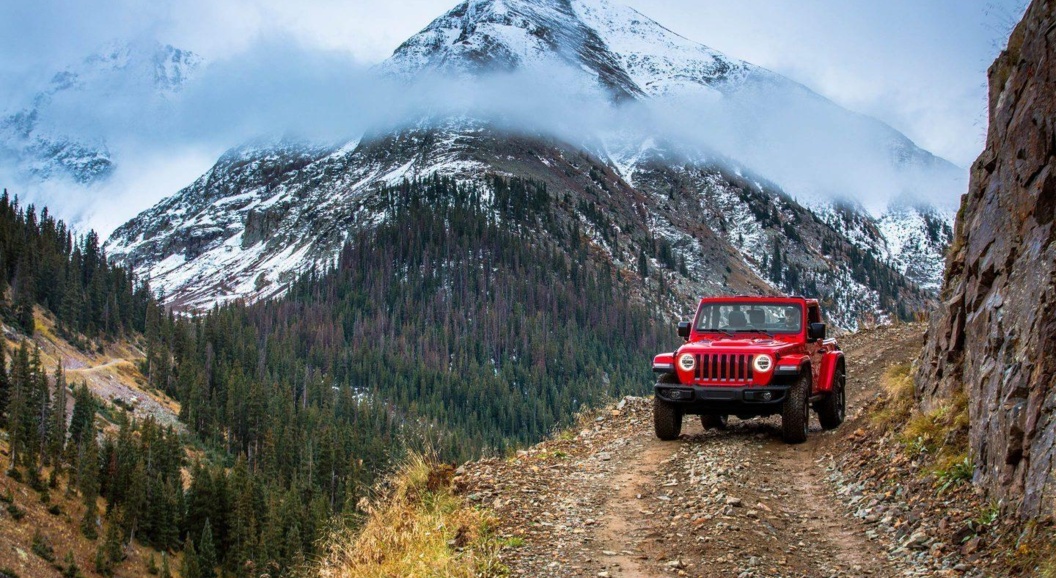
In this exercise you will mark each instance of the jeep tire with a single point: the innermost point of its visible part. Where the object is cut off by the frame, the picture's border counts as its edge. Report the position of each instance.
(795, 414)
(667, 419)
(713, 421)
(833, 409)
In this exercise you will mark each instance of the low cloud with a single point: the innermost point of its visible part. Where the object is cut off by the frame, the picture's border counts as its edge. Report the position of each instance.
(281, 89)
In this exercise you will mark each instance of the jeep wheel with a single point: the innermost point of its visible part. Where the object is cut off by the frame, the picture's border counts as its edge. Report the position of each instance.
(667, 419)
(713, 421)
(795, 414)
(833, 409)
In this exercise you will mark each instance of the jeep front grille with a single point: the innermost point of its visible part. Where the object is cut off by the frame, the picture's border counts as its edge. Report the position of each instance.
(727, 368)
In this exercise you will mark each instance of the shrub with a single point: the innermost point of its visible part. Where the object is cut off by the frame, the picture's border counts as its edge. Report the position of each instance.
(897, 404)
(16, 512)
(42, 547)
(418, 527)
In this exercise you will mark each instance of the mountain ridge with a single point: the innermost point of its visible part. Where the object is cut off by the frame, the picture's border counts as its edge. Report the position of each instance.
(252, 236)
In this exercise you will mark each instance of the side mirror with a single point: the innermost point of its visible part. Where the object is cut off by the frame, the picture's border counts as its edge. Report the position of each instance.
(816, 331)
(683, 329)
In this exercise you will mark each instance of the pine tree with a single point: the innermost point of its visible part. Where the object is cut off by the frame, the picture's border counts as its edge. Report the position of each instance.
(24, 312)
(136, 499)
(165, 572)
(70, 568)
(189, 568)
(57, 431)
(5, 384)
(42, 420)
(20, 421)
(776, 264)
(88, 483)
(82, 423)
(114, 544)
(207, 561)
(103, 565)
(643, 264)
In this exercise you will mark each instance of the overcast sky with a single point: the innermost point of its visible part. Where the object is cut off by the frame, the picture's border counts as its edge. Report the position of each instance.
(919, 65)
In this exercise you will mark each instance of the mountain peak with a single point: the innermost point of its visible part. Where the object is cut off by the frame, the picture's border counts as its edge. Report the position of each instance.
(620, 51)
(484, 36)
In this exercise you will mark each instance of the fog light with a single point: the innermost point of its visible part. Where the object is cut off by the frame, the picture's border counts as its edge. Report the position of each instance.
(767, 396)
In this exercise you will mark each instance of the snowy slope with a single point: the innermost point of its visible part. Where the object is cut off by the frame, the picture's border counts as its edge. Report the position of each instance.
(267, 212)
(658, 61)
(38, 143)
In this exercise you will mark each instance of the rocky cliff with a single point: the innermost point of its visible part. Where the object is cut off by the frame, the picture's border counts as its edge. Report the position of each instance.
(994, 337)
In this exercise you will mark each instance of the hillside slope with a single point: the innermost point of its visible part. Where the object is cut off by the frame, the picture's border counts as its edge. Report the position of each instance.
(32, 527)
(262, 216)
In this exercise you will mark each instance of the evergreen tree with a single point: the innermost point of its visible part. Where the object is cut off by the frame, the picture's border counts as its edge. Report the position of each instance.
(5, 384)
(207, 561)
(88, 484)
(111, 552)
(165, 571)
(189, 567)
(20, 421)
(70, 568)
(136, 500)
(42, 420)
(776, 263)
(82, 423)
(57, 430)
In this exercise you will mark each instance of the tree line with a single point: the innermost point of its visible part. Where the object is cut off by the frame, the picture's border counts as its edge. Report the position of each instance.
(454, 325)
(43, 262)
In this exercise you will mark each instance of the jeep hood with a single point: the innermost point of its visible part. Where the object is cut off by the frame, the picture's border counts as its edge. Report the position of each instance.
(762, 344)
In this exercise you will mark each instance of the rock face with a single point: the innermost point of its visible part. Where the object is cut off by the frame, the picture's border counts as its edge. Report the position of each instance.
(995, 334)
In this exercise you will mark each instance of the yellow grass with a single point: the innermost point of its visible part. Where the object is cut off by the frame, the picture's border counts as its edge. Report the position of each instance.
(943, 429)
(415, 528)
(897, 403)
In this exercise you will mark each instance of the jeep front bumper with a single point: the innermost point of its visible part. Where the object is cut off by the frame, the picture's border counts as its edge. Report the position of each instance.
(724, 400)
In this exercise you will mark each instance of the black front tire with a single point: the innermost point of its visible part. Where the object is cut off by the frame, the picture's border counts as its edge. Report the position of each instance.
(713, 422)
(833, 409)
(667, 420)
(795, 414)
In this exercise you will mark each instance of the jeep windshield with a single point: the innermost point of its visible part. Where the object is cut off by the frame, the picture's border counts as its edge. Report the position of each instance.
(750, 317)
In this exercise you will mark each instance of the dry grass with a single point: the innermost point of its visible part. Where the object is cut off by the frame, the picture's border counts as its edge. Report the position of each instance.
(415, 528)
(896, 405)
(1047, 565)
(941, 433)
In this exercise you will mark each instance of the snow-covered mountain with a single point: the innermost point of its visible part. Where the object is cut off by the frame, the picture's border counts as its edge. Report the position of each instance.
(706, 221)
(37, 138)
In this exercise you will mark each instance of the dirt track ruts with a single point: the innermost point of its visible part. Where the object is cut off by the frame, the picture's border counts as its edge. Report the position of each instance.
(609, 499)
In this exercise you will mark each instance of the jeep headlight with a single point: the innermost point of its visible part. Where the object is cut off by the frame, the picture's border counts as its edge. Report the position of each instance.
(687, 362)
(763, 363)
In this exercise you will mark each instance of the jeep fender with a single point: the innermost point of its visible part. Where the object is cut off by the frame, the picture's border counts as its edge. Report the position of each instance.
(829, 362)
(664, 363)
(792, 365)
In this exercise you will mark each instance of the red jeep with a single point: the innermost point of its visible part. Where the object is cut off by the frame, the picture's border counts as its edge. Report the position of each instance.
(748, 357)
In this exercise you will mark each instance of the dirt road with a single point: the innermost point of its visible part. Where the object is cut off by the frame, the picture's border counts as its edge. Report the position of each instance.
(612, 500)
